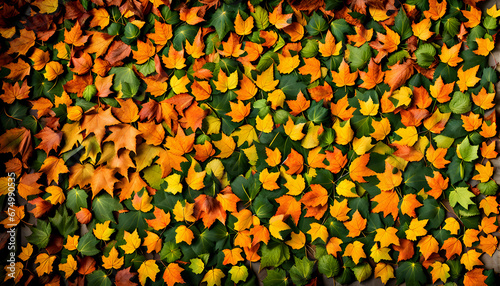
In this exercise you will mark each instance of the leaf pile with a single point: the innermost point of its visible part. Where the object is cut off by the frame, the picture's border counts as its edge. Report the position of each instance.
(158, 142)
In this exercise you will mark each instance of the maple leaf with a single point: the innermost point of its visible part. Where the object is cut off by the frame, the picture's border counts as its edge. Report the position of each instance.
(103, 179)
(416, 228)
(15, 91)
(422, 29)
(440, 271)
(123, 277)
(450, 55)
(288, 205)
(278, 19)
(384, 271)
(409, 204)
(149, 269)
(329, 48)
(112, 260)
(312, 67)
(243, 27)
(467, 78)
(213, 277)
(387, 236)
(318, 231)
(374, 76)
(172, 274)
(398, 74)
(75, 36)
(53, 167)
(471, 259)
(356, 225)
(475, 277)
(405, 249)
(344, 77)
(45, 262)
(133, 241)
(452, 246)
(358, 169)
(355, 250)
(484, 46)
(428, 245)
(387, 203)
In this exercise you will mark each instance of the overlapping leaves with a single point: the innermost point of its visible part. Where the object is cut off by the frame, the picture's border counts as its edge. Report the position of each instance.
(158, 142)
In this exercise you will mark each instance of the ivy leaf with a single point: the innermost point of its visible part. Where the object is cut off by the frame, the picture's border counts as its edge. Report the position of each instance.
(411, 273)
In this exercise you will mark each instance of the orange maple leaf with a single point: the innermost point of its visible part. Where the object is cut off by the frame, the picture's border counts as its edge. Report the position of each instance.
(436, 156)
(344, 77)
(387, 203)
(358, 169)
(356, 225)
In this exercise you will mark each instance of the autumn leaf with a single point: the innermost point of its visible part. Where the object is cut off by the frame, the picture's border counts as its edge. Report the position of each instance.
(148, 269)
(172, 274)
(358, 169)
(344, 77)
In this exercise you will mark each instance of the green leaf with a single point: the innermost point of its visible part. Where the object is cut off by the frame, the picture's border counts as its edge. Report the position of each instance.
(146, 68)
(402, 26)
(412, 273)
(316, 24)
(238, 273)
(222, 20)
(274, 254)
(362, 272)
(489, 188)
(431, 211)
(451, 26)
(125, 82)
(131, 33)
(462, 196)
(302, 270)
(153, 176)
(66, 225)
(99, 278)
(76, 199)
(134, 220)
(467, 151)
(316, 112)
(261, 18)
(171, 17)
(328, 265)
(359, 57)
(276, 277)
(40, 235)
(170, 252)
(310, 49)
(460, 103)
(87, 244)
(197, 265)
(103, 207)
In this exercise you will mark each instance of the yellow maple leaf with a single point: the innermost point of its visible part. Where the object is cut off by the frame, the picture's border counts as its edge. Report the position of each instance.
(381, 253)
(143, 203)
(112, 260)
(409, 136)
(484, 46)
(355, 251)
(195, 179)
(273, 157)
(102, 231)
(297, 240)
(268, 179)
(387, 236)
(183, 234)
(266, 81)
(382, 129)
(343, 132)
(347, 189)
(276, 224)
(440, 271)
(368, 108)
(452, 225)
(133, 241)
(226, 146)
(471, 259)
(69, 266)
(72, 242)
(384, 272)
(467, 78)
(148, 269)
(243, 27)
(294, 131)
(213, 277)
(179, 84)
(265, 124)
(288, 63)
(416, 228)
(318, 231)
(174, 184)
(184, 213)
(45, 263)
